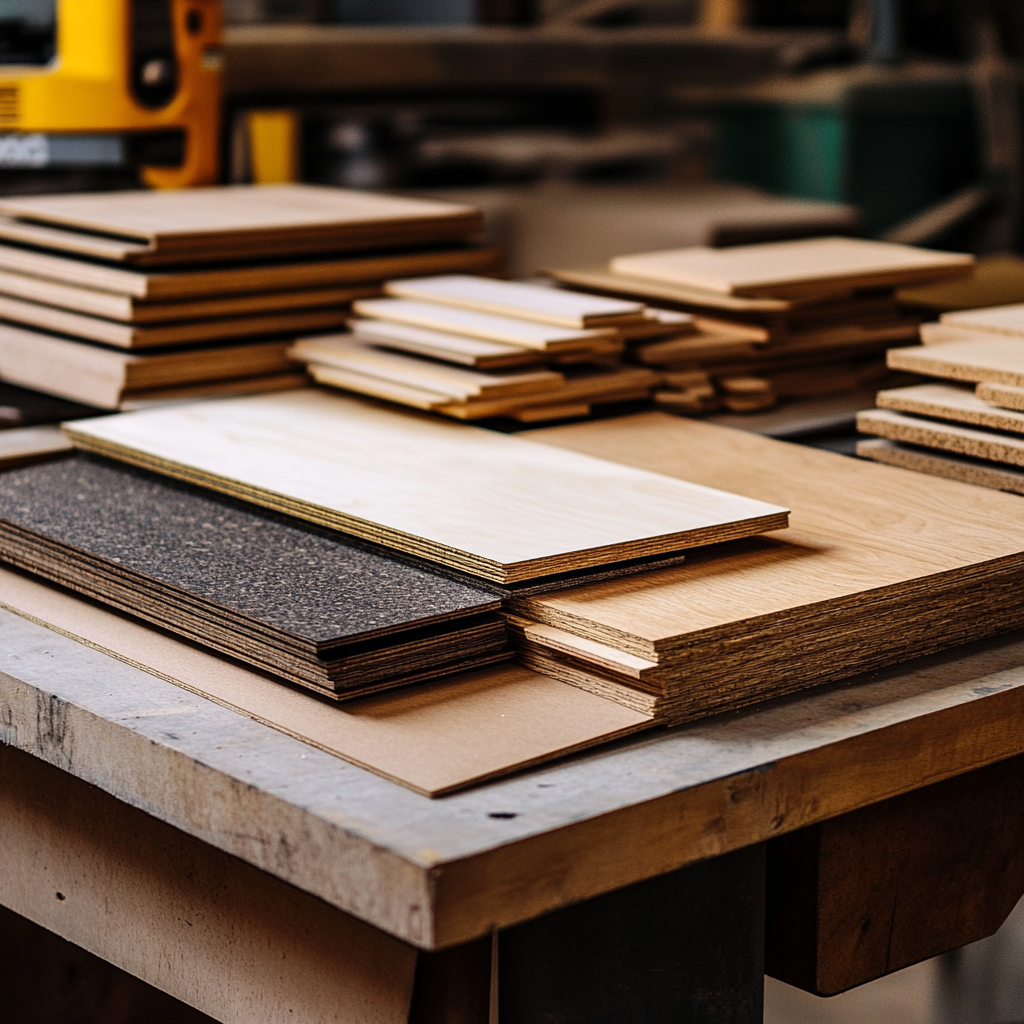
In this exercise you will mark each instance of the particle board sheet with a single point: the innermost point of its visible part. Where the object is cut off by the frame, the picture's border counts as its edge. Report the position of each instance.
(139, 336)
(1006, 320)
(1006, 396)
(805, 267)
(491, 505)
(280, 596)
(865, 577)
(207, 225)
(950, 437)
(245, 278)
(949, 402)
(946, 464)
(990, 360)
(525, 301)
(434, 738)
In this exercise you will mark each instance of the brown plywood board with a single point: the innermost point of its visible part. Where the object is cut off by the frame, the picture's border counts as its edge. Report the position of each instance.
(434, 738)
(982, 359)
(949, 402)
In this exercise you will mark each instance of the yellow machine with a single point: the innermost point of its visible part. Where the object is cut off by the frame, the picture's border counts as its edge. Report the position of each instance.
(115, 84)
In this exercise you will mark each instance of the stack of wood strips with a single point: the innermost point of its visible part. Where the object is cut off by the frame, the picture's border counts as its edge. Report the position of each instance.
(773, 321)
(474, 348)
(115, 299)
(969, 424)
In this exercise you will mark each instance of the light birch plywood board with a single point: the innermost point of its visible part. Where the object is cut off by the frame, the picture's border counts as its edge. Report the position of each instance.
(795, 268)
(989, 359)
(1006, 396)
(948, 402)
(950, 437)
(507, 330)
(247, 279)
(492, 505)
(947, 465)
(23, 445)
(434, 738)
(525, 301)
(1008, 320)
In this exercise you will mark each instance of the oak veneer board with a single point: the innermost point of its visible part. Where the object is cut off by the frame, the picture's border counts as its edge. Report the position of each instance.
(949, 402)
(989, 359)
(238, 221)
(805, 267)
(865, 577)
(434, 738)
(247, 278)
(491, 505)
(526, 301)
(946, 464)
(283, 597)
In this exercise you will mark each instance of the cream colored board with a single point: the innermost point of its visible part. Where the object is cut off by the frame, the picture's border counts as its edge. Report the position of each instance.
(1006, 396)
(433, 737)
(986, 359)
(375, 387)
(494, 505)
(950, 437)
(804, 266)
(507, 330)
(948, 466)
(1007, 320)
(29, 444)
(523, 301)
(949, 402)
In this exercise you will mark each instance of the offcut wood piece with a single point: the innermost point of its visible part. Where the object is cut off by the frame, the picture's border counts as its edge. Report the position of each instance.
(983, 359)
(1004, 320)
(949, 437)
(20, 446)
(946, 465)
(492, 505)
(949, 402)
(996, 280)
(282, 597)
(105, 377)
(434, 738)
(130, 335)
(208, 225)
(870, 547)
(508, 330)
(1006, 396)
(135, 401)
(657, 323)
(887, 886)
(523, 301)
(247, 278)
(801, 268)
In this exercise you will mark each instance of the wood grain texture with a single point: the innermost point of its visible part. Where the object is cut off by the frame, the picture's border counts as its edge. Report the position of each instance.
(802, 267)
(524, 511)
(946, 465)
(1006, 396)
(949, 402)
(982, 359)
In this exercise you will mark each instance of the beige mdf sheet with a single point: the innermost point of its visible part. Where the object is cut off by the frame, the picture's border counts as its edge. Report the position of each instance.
(492, 505)
(1008, 320)
(525, 301)
(945, 465)
(450, 348)
(434, 738)
(207, 224)
(796, 268)
(987, 359)
(245, 279)
(949, 402)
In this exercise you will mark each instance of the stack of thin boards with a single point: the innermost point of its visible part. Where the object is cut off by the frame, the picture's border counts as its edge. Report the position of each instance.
(117, 299)
(788, 319)
(968, 423)
(473, 348)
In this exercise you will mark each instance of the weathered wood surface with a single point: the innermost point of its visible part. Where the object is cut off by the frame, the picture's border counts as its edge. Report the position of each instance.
(441, 872)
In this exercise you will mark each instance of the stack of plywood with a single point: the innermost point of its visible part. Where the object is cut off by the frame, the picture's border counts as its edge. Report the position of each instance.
(773, 321)
(967, 424)
(119, 298)
(474, 348)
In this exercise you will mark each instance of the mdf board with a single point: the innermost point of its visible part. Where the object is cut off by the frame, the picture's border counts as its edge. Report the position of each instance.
(239, 221)
(948, 402)
(866, 575)
(950, 437)
(510, 298)
(246, 278)
(945, 464)
(806, 267)
(1008, 320)
(990, 360)
(492, 505)
(434, 738)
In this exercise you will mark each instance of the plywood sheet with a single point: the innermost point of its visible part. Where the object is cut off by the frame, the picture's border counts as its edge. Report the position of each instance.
(946, 465)
(434, 738)
(801, 267)
(987, 359)
(949, 402)
(492, 505)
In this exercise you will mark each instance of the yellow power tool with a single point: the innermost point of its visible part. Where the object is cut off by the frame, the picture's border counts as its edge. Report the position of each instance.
(126, 85)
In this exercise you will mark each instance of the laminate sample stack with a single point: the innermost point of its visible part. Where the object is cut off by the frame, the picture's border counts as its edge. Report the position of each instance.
(779, 320)
(116, 299)
(473, 348)
(969, 423)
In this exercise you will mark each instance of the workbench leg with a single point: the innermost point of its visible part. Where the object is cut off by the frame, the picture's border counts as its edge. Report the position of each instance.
(685, 948)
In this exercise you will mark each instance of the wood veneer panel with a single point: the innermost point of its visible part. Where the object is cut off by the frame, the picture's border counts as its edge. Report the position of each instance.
(988, 359)
(949, 402)
(491, 505)
(945, 464)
